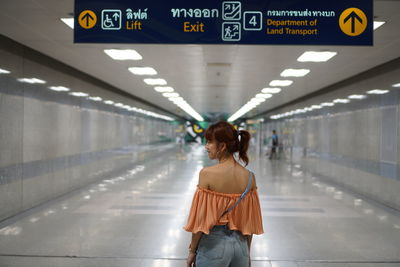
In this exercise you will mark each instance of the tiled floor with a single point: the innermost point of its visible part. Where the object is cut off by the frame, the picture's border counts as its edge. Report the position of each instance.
(136, 219)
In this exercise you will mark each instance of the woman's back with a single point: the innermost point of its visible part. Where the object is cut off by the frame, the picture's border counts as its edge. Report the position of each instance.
(226, 178)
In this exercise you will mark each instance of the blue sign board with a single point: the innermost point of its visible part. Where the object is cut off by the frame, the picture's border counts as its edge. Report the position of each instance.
(287, 22)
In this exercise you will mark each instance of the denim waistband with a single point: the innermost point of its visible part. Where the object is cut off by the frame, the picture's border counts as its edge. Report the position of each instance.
(223, 229)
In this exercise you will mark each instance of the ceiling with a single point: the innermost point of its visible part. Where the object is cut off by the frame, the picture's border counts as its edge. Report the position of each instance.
(211, 78)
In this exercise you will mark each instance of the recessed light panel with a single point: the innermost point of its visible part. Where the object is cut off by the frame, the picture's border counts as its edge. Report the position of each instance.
(280, 83)
(312, 56)
(377, 92)
(150, 81)
(271, 90)
(377, 24)
(295, 72)
(164, 89)
(68, 21)
(123, 54)
(2, 71)
(59, 88)
(143, 71)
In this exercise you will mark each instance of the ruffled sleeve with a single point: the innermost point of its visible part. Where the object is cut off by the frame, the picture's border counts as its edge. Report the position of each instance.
(208, 206)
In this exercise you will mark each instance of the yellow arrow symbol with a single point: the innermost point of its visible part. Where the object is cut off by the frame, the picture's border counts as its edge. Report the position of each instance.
(87, 19)
(353, 21)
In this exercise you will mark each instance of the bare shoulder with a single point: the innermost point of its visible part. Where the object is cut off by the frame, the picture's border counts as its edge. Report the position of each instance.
(204, 177)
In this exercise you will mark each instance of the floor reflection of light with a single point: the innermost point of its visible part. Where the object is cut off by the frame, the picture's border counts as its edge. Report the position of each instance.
(357, 202)
(396, 226)
(162, 263)
(49, 212)
(87, 197)
(34, 219)
(10, 230)
(382, 217)
(368, 211)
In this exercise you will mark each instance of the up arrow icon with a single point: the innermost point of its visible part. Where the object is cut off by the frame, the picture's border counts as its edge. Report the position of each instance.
(353, 16)
(353, 21)
(88, 18)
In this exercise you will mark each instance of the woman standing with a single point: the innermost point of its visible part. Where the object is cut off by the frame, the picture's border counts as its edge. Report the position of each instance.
(225, 210)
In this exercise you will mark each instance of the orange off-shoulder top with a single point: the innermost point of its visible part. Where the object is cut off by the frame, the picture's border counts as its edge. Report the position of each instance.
(208, 206)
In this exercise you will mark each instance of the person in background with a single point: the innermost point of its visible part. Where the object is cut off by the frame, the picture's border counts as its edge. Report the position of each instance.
(275, 143)
(225, 211)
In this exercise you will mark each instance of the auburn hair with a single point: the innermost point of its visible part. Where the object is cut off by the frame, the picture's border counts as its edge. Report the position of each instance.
(235, 141)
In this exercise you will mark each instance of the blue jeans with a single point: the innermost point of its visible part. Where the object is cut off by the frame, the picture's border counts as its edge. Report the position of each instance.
(222, 248)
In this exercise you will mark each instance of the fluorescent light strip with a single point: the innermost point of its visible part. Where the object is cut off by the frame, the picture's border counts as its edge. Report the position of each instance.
(95, 98)
(377, 24)
(123, 54)
(151, 81)
(189, 110)
(109, 102)
(31, 80)
(327, 104)
(164, 89)
(271, 90)
(59, 88)
(377, 92)
(263, 95)
(295, 72)
(68, 21)
(143, 70)
(280, 83)
(341, 100)
(78, 94)
(2, 71)
(312, 56)
(170, 95)
(357, 96)
(396, 85)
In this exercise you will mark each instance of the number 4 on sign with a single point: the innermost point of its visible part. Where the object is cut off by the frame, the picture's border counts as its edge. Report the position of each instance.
(252, 21)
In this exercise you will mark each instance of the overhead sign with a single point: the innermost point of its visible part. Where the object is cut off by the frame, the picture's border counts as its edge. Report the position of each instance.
(295, 22)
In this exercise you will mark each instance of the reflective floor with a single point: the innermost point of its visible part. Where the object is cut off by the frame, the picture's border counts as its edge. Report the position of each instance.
(136, 219)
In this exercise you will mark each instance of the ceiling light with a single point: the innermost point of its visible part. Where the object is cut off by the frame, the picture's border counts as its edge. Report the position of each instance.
(377, 92)
(79, 94)
(189, 110)
(327, 104)
(263, 95)
(143, 71)
(396, 85)
(150, 81)
(377, 24)
(170, 94)
(312, 56)
(316, 107)
(95, 98)
(68, 21)
(31, 80)
(120, 105)
(164, 89)
(340, 100)
(123, 54)
(109, 102)
(280, 83)
(2, 71)
(271, 90)
(59, 88)
(295, 72)
(357, 96)
(176, 99)
(257, 100)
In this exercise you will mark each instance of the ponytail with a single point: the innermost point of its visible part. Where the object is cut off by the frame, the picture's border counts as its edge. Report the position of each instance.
(244, 138)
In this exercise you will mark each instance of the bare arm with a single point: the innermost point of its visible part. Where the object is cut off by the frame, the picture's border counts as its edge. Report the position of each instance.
(195, 242)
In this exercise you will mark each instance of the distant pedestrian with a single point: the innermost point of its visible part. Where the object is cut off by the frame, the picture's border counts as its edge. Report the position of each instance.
(275, 144)
(225, 210)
